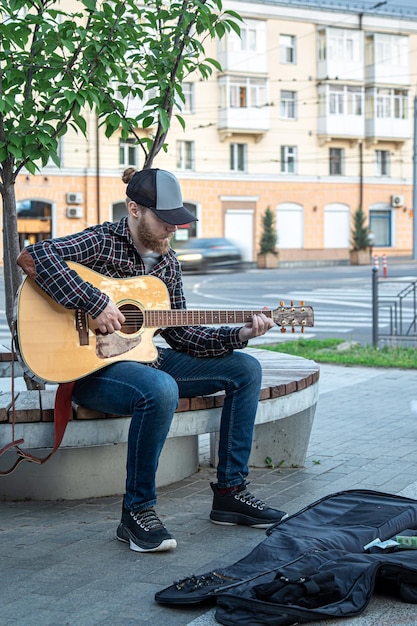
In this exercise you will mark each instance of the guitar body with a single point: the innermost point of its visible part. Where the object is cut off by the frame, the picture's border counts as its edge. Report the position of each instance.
(49, 341)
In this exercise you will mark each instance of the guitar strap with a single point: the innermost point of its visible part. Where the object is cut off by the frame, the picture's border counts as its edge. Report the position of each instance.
(62, 415)
(62, 405)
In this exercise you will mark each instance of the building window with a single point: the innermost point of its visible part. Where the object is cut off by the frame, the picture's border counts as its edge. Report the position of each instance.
(185, 155)
(251, 38)
(242, 93)
(188, 91)
(380, 225)
(392, 49)
(33, 209)
(392, 103)
(336, 100)
(288, 159)
(382, 162)
(288, 103)
(238, 156)
(344, 100)
(343, 45)
(185, 104)
(287, 49)
(336, 161)
(128, 153)
(354, 97)
(248, 36)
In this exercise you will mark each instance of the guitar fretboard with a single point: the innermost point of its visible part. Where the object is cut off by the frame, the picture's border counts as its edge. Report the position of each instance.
(181, 317)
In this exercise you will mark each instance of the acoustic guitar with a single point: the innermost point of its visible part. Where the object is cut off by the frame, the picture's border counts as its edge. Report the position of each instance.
(59, 345)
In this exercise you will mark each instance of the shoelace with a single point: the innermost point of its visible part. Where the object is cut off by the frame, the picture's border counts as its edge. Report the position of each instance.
(246, 497)
(148, 520)
(192, 583)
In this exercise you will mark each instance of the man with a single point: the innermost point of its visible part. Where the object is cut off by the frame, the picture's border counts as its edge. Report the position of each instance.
(199, 361)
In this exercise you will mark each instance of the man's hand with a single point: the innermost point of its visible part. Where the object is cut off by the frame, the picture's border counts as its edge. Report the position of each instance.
(110, 319)
(259, 325)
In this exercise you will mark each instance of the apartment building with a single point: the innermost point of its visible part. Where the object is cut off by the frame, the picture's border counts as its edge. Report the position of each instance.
(311, 116)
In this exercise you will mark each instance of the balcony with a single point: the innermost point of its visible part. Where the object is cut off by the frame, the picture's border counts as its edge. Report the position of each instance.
(341, 112)
(341, 127)
(387, 114)
(340, 54)
(385, 129)
(243, 121)
(387, 60)
(243, 106)
(247, 53)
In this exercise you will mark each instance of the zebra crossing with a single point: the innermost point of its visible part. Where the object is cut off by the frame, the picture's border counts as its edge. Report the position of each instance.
(5, 335)
(348, 309)
(342, 310)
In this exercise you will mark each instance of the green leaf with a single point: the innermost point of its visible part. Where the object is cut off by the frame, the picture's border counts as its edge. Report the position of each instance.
(147, 121)
(3, 153)
(181, 121)
(31, 167)
(163, 118)
(81, 123)
(230, 25)
(214, 62)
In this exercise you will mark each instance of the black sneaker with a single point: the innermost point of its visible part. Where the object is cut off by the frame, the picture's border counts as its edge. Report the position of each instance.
(144, 531)
(241, 507)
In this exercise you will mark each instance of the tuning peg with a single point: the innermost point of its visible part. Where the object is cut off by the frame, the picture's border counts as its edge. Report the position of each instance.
(283, 330)
(302, 329)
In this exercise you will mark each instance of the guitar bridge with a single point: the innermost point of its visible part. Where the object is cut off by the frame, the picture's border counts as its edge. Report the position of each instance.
(81, 324)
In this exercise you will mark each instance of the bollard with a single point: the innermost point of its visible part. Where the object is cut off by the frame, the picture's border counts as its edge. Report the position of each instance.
(384, 265)
(376, 263)
(375, 306)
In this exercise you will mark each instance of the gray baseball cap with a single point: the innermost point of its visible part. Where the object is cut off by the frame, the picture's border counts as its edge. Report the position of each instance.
(159, 191)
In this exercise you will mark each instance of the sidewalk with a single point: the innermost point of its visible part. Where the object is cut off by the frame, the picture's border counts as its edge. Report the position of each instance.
(61, 564)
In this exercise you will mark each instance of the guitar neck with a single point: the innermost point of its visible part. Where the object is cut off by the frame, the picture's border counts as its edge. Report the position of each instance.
(182, 317)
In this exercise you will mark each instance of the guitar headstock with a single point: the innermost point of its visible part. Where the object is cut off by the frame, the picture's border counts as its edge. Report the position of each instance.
(292, 316)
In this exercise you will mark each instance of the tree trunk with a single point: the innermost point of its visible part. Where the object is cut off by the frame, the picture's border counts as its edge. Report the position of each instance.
(11, 248)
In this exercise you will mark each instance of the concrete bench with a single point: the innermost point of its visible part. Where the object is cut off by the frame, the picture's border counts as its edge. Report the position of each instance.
(91, 460)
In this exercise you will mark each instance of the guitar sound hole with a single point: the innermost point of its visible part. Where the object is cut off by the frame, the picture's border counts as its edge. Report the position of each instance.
(133, 319)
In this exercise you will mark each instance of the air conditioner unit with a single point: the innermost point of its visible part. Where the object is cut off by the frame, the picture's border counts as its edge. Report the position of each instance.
(74, 197)
(397, 201)
(75, 211)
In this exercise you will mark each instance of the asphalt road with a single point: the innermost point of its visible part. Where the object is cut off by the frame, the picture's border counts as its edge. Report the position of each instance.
(341, 296)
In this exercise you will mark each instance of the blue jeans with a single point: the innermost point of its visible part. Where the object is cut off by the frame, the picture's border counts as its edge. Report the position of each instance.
(151, 395)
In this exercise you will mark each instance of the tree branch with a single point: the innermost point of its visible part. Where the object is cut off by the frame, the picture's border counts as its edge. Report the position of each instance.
(179, 44)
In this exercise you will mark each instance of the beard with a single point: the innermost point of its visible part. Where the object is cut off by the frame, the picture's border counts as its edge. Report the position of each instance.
(148, 239)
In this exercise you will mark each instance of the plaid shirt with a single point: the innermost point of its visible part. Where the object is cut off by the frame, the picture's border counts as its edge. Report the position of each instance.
(109, 249)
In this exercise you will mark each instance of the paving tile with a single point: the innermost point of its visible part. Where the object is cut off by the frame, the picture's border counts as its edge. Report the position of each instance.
(74, 571)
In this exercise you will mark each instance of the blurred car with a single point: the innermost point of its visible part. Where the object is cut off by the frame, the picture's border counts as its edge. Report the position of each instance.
(205, 254)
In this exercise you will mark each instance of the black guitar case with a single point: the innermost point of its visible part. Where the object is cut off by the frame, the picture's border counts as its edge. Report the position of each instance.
(316, 564)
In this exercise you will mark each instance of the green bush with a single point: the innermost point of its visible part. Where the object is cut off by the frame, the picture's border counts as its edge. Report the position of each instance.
(268, 242)
(360, 232)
